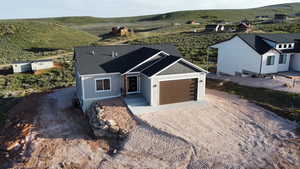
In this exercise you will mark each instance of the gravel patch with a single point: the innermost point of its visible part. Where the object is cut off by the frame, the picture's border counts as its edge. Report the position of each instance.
(229, 132)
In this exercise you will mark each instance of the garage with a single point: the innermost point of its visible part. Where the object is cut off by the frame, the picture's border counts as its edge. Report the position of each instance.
(175, 91)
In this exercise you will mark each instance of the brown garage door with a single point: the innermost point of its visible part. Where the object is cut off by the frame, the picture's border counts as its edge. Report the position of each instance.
(175, 91)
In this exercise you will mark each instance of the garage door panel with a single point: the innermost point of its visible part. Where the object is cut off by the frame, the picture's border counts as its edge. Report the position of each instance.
(178, 91)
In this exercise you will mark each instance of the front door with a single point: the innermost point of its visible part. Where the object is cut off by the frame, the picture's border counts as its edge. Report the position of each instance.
(132, 84)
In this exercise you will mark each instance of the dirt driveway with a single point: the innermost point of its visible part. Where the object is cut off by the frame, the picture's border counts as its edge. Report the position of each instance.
(229, 132)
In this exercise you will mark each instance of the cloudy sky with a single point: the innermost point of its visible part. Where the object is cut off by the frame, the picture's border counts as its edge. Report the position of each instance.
(116, 8)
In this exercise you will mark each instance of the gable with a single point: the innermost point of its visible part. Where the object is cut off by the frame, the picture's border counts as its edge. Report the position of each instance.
(179, 68)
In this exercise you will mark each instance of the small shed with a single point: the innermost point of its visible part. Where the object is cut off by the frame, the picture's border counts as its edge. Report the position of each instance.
(214, 28)
(42, 64)
(280, 18)
(244, 27)
(21, 67)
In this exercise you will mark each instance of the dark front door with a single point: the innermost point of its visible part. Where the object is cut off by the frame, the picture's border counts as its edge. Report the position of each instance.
(132, 84)
(178, 91)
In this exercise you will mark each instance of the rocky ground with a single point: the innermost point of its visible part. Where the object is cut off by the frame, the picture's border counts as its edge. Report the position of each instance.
(46, 131)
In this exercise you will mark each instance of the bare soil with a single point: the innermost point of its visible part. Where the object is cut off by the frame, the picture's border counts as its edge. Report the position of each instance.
(229, 132)
(46, 131)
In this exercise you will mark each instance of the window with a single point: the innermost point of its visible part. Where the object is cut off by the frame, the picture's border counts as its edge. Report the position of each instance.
(279, 46)
(270, 60)
(285, 46)
(102, 84)
(282, 59)
(290, 46)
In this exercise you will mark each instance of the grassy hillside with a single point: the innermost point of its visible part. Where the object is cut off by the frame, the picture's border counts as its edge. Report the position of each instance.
(201, 15)
(27, 40)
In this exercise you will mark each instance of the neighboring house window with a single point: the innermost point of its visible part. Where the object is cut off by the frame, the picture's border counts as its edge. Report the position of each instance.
(279, 46)
(282, 59)
(270, 60)
(102, 84)
(290, 45)
(285, 46)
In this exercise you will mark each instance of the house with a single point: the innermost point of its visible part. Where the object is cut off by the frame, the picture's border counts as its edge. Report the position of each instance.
(259, 54)
(29, 66)
(121, 31)
(263, 17)
(214, 28)
(278, 18)
(192, 22)
(158, 72)
(244, 27)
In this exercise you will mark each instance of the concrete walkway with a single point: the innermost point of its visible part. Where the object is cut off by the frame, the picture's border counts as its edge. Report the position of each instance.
(138, 105)
(280, 83)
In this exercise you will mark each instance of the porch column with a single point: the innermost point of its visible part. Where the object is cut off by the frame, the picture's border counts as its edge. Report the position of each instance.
(125, 85)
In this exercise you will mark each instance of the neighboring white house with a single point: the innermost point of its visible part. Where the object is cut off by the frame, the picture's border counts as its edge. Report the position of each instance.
(259, 54)
(28, 66)
(158, 72)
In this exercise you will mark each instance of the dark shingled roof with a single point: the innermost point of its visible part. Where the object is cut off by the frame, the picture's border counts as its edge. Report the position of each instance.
(160, 65)
(128, 56)
(256, 41)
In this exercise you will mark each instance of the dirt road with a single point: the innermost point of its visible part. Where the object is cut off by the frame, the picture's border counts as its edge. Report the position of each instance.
(229, 132)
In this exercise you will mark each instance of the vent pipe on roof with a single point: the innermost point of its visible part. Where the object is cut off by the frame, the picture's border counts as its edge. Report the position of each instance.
(114, 54)
(93, 52)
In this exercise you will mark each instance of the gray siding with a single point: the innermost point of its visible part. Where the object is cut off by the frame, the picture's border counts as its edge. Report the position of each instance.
(179, 68)
(89, 85)
(146, 87)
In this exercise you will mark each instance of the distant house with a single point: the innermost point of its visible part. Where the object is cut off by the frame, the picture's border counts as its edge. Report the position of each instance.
(263, 17)
(121, 31)
(192, 22)
(278, 18)
(29, 66)
(259, 54)
(244, 27)
(214, 28)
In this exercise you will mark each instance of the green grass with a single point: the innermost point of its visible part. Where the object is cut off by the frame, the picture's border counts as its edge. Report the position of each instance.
(18, 38)
(193, 46)
(284, 104)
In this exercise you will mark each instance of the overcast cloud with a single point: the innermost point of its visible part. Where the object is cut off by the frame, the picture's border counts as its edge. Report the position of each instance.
(117, 8)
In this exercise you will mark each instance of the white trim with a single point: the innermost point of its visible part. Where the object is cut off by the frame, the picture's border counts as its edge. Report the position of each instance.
(166, 67)
(101, 98)
(178, 76)
(100, 74)
(138, 84)
(145, 61)
(195, 66)
(103, 78)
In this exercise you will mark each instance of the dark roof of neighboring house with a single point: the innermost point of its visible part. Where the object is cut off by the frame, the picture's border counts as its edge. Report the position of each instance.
(97, 60)
(256, 41)
(211, 26)
(160, 65)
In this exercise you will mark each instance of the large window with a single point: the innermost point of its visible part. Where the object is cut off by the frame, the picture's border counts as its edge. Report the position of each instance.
(282, 59)
(270, 60)
(103, 84)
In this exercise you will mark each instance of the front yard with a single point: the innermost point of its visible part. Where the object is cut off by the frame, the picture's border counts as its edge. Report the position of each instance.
(224, 132)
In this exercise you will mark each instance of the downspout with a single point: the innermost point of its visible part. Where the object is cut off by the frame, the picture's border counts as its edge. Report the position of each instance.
(261, 61)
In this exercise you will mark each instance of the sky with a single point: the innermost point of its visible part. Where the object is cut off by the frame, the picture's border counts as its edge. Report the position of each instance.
(11, 9)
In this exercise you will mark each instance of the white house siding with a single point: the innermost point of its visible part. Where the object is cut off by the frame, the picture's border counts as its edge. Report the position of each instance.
(156, 79)
(284, 67)
(235, 56)
(89, 88)
(268, 69)
(295, 62)
(21, 67)
(41, 65)
(146, 87)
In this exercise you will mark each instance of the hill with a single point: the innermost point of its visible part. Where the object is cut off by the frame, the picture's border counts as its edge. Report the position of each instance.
(23, 40)
(206, 15)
